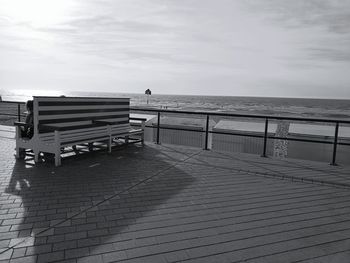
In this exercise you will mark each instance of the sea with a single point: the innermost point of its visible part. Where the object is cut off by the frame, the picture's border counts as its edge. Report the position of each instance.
(302, 107)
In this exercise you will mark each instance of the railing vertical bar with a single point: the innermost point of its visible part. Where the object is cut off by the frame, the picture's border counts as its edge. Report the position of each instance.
(158, 127)
(335, 143)
(265, 137)
(19, 111)
(207, 133)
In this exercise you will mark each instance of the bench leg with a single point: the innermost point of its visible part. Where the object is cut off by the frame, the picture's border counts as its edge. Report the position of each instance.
(91, 146)
(126, 140)
(109, 145)
(18, 153)
(142, 139)
(36, 156)
(57, 159)
(57, 148)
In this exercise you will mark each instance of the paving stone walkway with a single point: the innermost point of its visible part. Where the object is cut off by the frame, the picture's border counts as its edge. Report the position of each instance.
(164, 203)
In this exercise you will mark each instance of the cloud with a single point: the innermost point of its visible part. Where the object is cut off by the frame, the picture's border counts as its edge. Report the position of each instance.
(203, 45)
(334, 15)
(329, 53)
(323, 24)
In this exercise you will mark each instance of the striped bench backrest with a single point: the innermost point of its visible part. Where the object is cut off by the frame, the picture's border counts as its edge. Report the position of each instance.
(70, 113)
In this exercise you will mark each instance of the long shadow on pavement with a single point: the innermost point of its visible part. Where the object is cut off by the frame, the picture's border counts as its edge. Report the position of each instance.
(89, 206)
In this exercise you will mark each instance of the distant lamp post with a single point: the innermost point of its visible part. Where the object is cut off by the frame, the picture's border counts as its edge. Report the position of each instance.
(148, 93)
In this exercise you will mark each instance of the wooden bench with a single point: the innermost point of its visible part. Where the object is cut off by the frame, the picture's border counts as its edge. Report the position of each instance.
(61, 122)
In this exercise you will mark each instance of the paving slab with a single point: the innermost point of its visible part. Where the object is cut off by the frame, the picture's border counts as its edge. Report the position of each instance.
(165, 203)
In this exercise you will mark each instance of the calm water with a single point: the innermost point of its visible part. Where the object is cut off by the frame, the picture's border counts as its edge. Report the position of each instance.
(258, 105)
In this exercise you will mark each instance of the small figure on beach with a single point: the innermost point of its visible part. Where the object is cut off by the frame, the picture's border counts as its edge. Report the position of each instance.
(28, 130)
(148, 92)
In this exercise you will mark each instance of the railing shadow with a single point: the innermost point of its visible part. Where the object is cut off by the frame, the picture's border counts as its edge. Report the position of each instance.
(71, 211)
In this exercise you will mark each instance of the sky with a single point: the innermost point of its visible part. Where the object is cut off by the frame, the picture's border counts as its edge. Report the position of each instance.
(273, 48)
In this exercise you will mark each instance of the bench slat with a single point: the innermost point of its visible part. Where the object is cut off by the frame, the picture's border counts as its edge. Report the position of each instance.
(51, 128)
(59, 117)
(76, 134)
(122, 119)
(81, 107)
(90, 129)
(83, 138)
(68, 124)
(95, 139)
(72, 103)
(82, 111)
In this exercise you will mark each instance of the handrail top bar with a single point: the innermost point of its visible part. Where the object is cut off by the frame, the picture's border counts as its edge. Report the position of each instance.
(257, 116)
(69, 97)
(81, 97)
(13, 102)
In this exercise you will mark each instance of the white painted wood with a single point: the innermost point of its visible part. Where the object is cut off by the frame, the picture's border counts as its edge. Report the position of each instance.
(52, 142)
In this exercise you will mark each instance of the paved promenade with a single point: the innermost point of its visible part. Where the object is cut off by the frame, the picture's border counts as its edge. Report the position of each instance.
(165, 203)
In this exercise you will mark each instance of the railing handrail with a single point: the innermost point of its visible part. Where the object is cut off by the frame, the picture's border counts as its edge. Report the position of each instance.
(18, 115)
(257, 116)
(253, 116)
(13, 102)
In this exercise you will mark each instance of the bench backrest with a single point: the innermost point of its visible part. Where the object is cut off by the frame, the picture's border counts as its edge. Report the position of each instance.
(71, 113)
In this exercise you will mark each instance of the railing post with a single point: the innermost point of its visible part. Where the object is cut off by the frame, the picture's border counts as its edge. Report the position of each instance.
(265, 137)
(335, 143)
(19, 111)
(158, 127)
(207, 133)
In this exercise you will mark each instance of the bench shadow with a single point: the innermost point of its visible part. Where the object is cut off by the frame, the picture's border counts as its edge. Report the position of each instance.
(90, 204)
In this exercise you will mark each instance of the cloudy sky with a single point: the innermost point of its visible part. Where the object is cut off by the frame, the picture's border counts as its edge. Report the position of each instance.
(296, 48)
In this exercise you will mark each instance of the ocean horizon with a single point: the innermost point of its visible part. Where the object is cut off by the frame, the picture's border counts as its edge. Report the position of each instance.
(305, 107)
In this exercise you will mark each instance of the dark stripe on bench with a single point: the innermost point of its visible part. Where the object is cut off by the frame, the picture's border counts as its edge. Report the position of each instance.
(58, 112)
(84, 119)
(45, 129)
(78, 103)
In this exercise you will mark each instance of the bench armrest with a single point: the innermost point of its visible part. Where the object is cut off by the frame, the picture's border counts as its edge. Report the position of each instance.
(104, 122)
(142, 120)
(137, 119)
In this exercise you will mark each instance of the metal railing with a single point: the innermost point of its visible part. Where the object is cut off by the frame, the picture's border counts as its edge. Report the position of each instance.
(265, 136)
(207, 131)
(18, 114)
